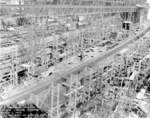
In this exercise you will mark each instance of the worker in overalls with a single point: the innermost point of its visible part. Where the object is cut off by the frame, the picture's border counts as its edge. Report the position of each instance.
(81, 54)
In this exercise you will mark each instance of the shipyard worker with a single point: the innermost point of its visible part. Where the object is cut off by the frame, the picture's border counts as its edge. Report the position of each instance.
(81, 56)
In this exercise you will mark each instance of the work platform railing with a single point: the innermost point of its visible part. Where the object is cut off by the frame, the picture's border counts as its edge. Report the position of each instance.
(36, 88)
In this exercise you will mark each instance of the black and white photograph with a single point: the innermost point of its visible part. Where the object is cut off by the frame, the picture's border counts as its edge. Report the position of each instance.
(74, 58)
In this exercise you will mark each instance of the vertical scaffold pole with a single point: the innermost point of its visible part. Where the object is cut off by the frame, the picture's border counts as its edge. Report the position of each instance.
(75, 95)
(90, 83)
(58, 100)
(70, 90)
(52, 99)
(12, 70)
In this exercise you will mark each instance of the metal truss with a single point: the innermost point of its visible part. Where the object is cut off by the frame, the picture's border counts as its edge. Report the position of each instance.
(63, 10)
(53, 84)
(57, 77)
